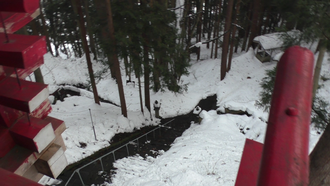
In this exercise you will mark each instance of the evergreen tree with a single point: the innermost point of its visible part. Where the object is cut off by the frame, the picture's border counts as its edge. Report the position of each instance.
(257, 6)
(103, 34)
(116, 63)
(81, 22)
(62, 27)
(320, 115)
(267, 84)
(89, 26)
(147, 35)
(225, 45)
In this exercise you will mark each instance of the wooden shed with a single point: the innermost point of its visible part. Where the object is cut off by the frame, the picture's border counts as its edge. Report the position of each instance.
(269, 45)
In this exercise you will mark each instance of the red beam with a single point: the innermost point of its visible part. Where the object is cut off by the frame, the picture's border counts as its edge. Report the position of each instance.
(250, 163)
(6, 142)
(285, 159)
(21, 51)
(9, 179)
(8, 116)
(16, 21)
(58, 125)
(22, 73)
(18, 160)
(26, 6)
(42, 110)
(33, 133)
(52, 162)
(25, 95)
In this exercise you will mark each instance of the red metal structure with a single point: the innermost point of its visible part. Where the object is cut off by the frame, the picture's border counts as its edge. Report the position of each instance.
(285, 160)
(30, 141)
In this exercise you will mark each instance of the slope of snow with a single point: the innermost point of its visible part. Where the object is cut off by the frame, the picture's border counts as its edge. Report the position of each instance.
(206, 154)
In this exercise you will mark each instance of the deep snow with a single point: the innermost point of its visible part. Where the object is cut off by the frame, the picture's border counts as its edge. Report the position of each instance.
(206, 154)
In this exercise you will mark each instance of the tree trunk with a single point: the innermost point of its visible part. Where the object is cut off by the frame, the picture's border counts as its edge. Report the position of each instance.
(267, 23)
(209, 25)
(111, 65)
(34, 24)
(146, 76)
(225, 45)
(89, 30)
(116, 64)
(320, 161)
(78, 45)
(233, 36)
(247, 26)
(318, 68)
(217, 29)
(127, 68)
(140, 93)
(146, 86)
(146, 67)
(199, 26)
(105, 35)
(255, 19)
(156, 75)
(214, 30)
(189, 27)
(38, 76)
(261, 19)
(72, 40)
(206, 16)
(45, 32)
(77, 8)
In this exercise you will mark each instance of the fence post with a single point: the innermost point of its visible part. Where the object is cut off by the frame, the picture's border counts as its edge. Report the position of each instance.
(114, 157)
(82, 181)
(127, 150)
(90, 112)
(113, 153)
(101, 164)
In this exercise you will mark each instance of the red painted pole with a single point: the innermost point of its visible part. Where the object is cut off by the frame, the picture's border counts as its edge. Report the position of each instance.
(285, 159)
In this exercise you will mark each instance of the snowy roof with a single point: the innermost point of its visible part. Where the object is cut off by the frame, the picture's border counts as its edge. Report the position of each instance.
(273, 40)
(278, 56)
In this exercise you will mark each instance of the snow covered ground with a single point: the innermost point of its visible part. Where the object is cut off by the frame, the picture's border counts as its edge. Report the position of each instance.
(206, 154)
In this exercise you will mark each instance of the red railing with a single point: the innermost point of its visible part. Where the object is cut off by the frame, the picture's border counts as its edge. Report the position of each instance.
(284, 160)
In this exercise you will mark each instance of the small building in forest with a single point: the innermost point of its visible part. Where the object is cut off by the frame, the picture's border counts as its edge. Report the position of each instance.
(268, 46)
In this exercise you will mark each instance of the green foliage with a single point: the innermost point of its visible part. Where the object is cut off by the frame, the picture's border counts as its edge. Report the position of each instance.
(142, 25)
(310, 17)
(139, 27)
(267, 84)
(62, 25)
(320, 108)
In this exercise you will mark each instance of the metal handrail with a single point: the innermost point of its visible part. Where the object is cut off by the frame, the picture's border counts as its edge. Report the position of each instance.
(112, 152)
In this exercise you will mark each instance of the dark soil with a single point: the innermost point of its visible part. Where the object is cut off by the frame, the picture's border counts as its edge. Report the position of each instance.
(145, 146)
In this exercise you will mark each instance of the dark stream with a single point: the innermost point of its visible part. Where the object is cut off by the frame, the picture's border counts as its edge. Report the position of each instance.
(159, 140)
